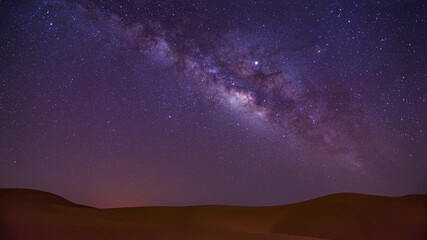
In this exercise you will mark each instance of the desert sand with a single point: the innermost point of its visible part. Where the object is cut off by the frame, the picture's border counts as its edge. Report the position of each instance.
(33, 214)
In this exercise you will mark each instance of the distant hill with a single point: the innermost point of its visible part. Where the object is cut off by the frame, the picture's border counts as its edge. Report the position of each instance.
(31, 196)
(33, 214)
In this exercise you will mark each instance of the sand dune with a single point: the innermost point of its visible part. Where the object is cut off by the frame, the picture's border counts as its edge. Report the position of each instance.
(32, 214)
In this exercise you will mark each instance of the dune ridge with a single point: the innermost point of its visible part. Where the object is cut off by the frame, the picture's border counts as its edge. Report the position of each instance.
(33, 214)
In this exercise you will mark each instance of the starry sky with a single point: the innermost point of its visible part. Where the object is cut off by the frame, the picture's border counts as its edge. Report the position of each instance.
(144, 102)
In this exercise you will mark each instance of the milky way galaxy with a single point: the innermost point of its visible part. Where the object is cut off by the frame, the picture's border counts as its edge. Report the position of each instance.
(191, 102)
(230, 75)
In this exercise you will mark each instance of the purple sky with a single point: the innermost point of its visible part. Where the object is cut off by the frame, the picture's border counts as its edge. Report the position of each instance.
(128, 103)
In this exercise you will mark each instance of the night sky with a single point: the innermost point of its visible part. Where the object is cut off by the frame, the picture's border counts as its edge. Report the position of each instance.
(139, 102)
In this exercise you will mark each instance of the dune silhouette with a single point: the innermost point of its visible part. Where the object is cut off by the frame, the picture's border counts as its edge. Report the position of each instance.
(33, 214)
